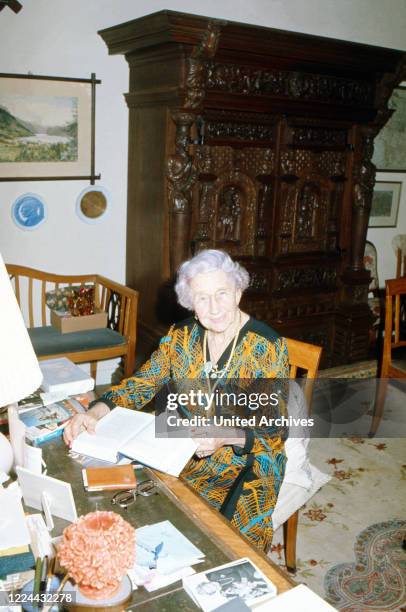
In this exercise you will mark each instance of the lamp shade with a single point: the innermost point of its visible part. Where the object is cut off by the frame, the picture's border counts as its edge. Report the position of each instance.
(20, 373)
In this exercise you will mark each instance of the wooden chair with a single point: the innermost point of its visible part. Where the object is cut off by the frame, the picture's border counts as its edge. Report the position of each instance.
(303, 357)
(120, 303)
(394, 351)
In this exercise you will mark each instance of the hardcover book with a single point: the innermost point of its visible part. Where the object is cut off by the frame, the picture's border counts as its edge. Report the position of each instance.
(46, 422)
(132, 433)
(109, 478)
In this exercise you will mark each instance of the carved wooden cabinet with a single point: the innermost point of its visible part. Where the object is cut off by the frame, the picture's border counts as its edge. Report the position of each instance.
(259, 142)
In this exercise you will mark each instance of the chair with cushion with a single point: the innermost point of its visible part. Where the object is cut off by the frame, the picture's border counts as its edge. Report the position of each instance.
(394, 345)
(301, 480)
(116, 340)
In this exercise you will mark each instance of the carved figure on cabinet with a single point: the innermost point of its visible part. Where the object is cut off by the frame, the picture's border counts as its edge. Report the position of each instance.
(229, 214)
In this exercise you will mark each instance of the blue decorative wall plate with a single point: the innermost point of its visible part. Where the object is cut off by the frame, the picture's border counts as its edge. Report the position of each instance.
(29, 211)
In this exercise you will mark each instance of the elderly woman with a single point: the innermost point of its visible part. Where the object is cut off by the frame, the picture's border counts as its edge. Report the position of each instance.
(240, 476)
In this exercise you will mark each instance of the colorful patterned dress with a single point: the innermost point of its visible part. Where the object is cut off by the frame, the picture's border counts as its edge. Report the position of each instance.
(242, 483)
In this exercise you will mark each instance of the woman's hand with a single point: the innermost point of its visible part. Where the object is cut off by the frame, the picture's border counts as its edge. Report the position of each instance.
(84, 422)
(208, 446)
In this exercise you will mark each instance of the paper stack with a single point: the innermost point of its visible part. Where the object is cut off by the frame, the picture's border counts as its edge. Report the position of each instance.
(163, 555)
(62, 375)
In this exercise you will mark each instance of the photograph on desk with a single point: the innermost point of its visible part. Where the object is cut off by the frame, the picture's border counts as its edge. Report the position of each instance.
(239, 579)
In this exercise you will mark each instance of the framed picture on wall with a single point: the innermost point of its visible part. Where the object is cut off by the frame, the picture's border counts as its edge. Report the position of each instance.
(47, 128)
(385, 204)
(390, 144)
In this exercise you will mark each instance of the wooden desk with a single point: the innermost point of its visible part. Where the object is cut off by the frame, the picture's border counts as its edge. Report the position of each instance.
(175, 501)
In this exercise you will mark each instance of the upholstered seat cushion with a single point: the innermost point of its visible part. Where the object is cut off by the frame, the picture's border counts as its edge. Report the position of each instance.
(292, 497)
(48, 340)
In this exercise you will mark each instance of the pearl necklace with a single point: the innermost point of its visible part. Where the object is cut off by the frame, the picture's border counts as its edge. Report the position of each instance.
(210, 369)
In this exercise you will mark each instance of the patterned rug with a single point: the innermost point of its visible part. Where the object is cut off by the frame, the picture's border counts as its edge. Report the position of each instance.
(367, 488)
(376, 580)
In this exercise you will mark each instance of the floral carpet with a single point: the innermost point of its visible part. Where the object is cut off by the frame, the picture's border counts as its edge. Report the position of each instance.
(376, 579)
(351, 529)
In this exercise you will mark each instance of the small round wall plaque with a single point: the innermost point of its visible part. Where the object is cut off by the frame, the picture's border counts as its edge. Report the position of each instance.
(93, 204)
(29, 211)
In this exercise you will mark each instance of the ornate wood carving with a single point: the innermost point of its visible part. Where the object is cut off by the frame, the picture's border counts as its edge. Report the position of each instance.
(364, 180)
(197, 67)
(242, 79)
(229, 214)
(327, 163)
(244, 127)
(181, 173)
(113, 311)
(234, 199)
(318, 136)
(305, 277)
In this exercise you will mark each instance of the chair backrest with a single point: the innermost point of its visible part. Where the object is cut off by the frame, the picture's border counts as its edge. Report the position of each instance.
(395, 288)
(304, 358)
(31, 286)
(394, 321)
(399, 247)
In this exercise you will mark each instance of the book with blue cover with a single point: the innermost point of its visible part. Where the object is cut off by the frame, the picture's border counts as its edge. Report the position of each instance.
(46, 422)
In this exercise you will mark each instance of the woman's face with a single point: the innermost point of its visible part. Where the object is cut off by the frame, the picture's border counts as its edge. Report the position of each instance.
(215, 300)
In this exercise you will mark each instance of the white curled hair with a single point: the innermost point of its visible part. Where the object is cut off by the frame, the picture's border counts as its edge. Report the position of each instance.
(208, 260)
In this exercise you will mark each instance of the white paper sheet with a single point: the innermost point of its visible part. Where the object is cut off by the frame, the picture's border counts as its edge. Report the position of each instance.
(13, 526)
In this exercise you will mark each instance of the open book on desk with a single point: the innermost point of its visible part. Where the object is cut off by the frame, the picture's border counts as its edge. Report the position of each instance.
(132, 433)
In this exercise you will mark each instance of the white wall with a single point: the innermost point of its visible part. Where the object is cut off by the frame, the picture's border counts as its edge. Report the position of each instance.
(381, 237)
(59, 37)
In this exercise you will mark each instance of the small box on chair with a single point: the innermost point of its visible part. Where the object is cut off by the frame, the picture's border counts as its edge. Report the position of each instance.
(67, 323)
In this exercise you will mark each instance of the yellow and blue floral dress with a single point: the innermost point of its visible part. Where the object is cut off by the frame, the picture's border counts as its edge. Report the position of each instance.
(242, 483)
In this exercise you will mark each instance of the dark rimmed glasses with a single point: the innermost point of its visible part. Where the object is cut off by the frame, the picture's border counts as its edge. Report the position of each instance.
(123, 499)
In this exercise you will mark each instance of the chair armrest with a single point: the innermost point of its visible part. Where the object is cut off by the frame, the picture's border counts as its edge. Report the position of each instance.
(121, 303)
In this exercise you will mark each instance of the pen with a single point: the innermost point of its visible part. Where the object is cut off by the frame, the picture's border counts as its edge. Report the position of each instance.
(37, 578)
(50, 574)
(48, 607)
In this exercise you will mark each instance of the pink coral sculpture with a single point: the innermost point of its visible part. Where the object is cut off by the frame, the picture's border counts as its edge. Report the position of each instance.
(97, 551)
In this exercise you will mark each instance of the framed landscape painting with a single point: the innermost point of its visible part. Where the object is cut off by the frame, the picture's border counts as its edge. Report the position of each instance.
(46, 128)
(385, 204)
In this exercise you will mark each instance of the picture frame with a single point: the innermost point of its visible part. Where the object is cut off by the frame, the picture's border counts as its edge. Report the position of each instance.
(390, 144)
(47, 128)
(385, 204)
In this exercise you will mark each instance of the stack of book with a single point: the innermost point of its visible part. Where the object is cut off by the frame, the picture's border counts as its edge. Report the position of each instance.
(46, 411)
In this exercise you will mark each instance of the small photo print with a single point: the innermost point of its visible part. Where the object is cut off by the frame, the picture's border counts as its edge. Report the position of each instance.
(240, 579)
